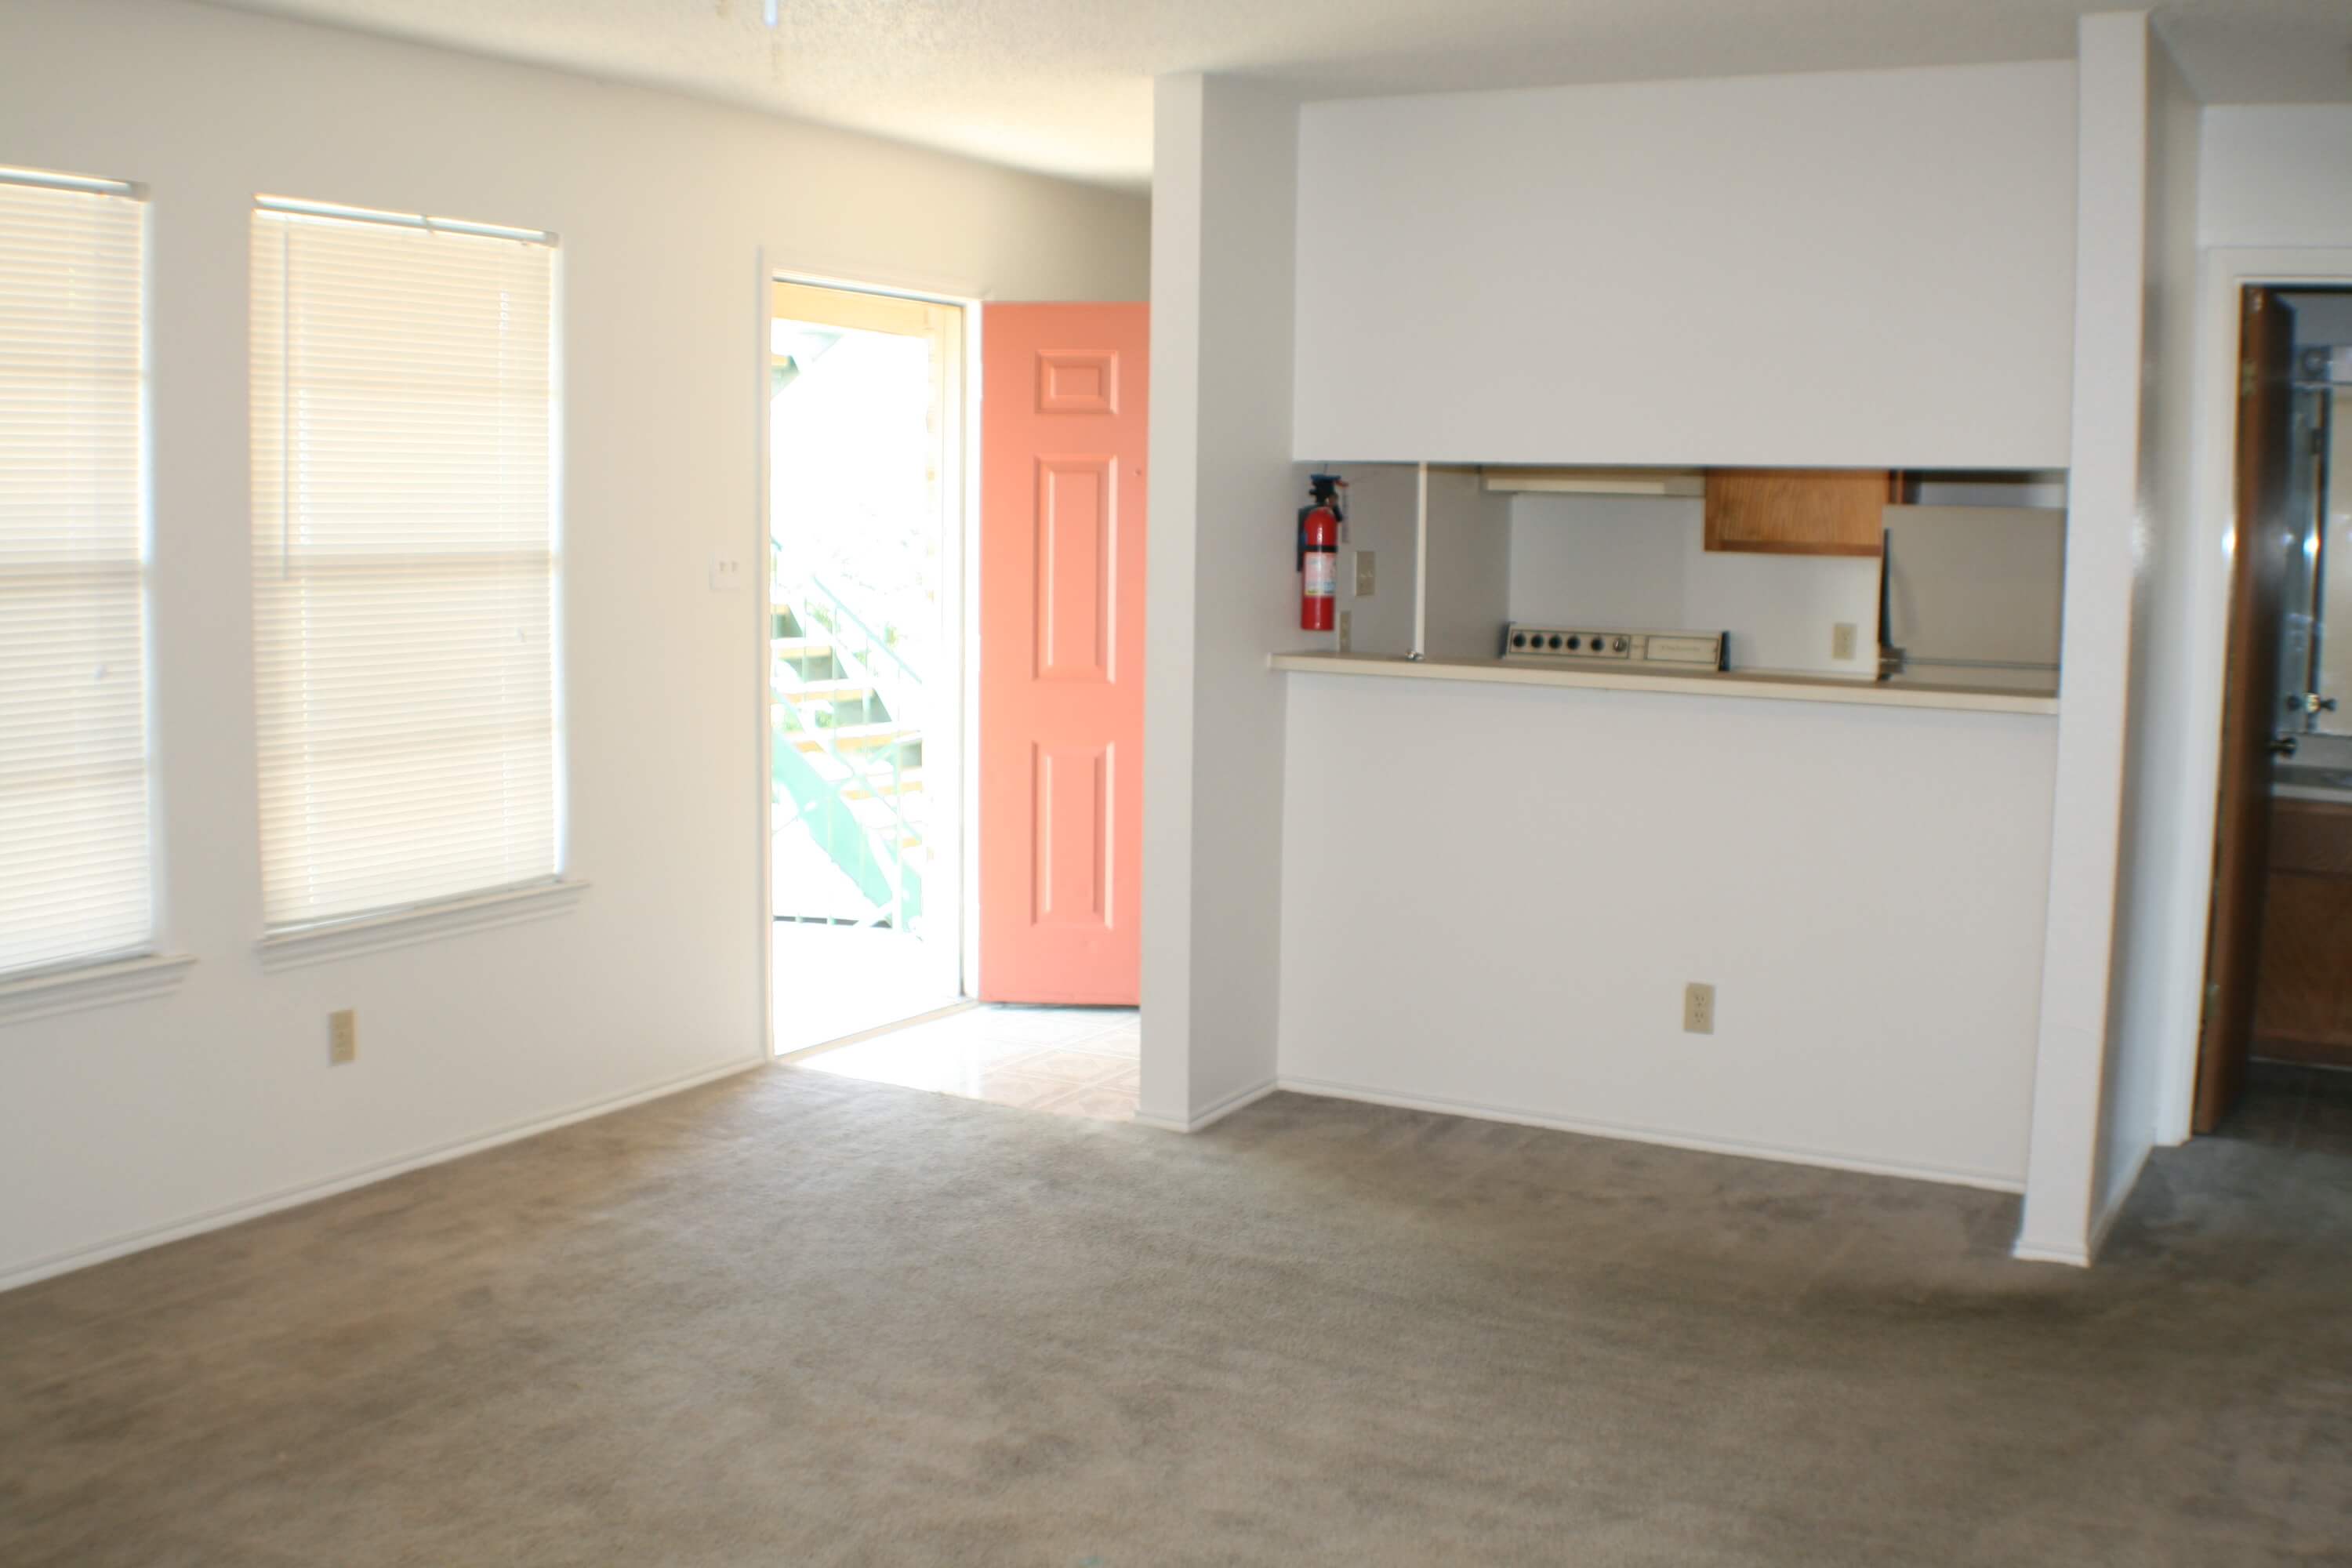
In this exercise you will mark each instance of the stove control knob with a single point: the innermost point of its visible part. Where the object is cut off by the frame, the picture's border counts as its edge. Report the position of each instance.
(1575, 643)
(1619, 646)
(1518, 640)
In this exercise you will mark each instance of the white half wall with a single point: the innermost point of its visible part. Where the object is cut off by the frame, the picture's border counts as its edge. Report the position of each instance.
(1849, 268)
(1221, 594)
(1493, 896)
(127, 1124)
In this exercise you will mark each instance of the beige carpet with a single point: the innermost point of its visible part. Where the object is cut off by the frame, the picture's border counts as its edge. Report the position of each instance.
(798, 1320)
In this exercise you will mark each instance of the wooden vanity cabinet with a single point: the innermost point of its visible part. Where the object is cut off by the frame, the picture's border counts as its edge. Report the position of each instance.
(1798, 511)
(2302, 992)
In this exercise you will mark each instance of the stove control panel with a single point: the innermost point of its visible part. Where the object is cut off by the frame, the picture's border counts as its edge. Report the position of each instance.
(1585, 644)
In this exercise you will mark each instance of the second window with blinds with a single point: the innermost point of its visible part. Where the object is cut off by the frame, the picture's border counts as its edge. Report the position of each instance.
(405, 562)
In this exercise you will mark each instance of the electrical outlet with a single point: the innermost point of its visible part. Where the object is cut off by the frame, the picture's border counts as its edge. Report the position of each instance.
(1363, 573)
(726, 572)
(1343, 632)
(1842, 640)
(1698, 1008)
(343, 1037)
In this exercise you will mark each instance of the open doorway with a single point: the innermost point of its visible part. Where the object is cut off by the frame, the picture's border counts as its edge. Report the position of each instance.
(865, 658)
(2278, 994)
(892, 643)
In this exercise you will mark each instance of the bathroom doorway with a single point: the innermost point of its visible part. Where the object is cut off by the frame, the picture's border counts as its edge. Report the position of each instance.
(2277, 987)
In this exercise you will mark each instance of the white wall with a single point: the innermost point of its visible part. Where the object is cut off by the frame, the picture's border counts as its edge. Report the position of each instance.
(125, 1123)
(2149, 988)
(2323, 320)
(1856, 268)
(1222, 593)
(1469, 563)
(1382, 507)
(1639, 562)
(1493, 896)
(2276, 175)
(1469, 566)
(2274, 202)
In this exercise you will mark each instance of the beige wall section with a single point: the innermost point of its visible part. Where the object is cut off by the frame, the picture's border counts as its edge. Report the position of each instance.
(127, 1123)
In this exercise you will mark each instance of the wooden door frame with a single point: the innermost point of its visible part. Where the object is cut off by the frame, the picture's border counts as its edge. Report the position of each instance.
(772, 267)
(2185, 907)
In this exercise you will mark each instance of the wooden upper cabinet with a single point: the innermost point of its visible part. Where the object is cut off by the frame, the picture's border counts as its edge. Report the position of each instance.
(1798, 511)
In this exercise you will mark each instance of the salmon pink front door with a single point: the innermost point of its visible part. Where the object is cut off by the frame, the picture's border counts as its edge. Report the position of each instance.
(1061, 651)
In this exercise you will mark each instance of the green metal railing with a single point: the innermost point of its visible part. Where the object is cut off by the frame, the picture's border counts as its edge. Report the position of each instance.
(875, 850)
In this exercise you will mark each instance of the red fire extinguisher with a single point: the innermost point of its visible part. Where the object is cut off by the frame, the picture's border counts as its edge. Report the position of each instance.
(1319, 551)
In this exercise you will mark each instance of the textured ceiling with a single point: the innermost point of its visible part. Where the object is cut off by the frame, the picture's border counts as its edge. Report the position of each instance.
(1064, 86)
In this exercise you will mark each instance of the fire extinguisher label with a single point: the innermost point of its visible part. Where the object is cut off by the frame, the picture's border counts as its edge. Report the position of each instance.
(1322, 572)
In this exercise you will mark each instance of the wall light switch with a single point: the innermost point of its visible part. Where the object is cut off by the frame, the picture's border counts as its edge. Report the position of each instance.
(1842, 640)
(1363, 573)
(1344, 632)
(343, 1037)
(726, 572)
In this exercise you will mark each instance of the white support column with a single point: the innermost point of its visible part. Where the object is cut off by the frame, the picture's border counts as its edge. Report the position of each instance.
(1219, 597)
(2110, 280)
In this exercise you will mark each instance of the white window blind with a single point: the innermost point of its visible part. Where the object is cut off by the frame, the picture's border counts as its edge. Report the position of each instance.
(75, 878)
(404, 562)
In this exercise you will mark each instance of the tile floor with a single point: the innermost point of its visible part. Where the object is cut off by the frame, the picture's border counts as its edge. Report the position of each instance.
(1077, 1061)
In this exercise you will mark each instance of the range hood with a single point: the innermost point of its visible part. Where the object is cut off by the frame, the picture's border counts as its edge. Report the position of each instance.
(1684, 482)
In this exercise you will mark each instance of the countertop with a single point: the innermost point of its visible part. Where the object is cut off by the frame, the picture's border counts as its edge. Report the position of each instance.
(1698, 683)
(2310, 782)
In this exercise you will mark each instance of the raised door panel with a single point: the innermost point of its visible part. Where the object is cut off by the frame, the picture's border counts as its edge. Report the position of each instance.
(1078, 381)
(1077, 567)
(1070, 883)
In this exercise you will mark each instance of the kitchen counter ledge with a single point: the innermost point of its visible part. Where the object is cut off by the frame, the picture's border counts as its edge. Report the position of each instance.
(1769, 687)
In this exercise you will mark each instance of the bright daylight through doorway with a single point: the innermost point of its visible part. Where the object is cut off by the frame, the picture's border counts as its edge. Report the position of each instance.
(865, 667)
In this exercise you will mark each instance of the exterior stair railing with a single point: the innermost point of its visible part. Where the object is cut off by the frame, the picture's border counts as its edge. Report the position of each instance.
(873, 845)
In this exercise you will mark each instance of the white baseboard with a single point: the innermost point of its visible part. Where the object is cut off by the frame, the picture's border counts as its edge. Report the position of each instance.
(1990, 1181)
(310, 1192)
(1214, 1113)
(2072, 1256)
(2096, 1235)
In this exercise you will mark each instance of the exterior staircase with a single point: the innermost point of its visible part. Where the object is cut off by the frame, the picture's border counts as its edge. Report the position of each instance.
(846, 759)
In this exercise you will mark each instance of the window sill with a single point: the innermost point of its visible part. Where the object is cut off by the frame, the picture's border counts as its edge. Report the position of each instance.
(427, 922)
(90, 985)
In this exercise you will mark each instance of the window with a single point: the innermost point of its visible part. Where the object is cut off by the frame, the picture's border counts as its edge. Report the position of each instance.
(76, 879)
(405, 560)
